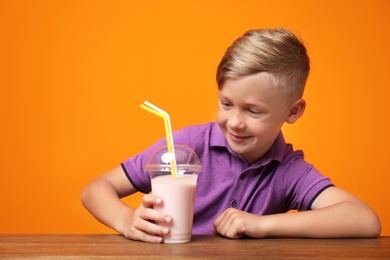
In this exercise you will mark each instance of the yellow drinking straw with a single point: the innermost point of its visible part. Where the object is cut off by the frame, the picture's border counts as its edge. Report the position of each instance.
(168, 130)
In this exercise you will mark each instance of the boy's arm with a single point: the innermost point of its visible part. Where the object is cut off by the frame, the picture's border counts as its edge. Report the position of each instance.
(102, 199)
(335, 214)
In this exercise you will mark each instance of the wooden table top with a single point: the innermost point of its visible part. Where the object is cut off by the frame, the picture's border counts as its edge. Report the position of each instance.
(201, 247)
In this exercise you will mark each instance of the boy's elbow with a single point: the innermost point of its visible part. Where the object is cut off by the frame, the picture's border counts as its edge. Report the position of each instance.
(85, 196)
(364, 222)
(375, 226)
(371, 226)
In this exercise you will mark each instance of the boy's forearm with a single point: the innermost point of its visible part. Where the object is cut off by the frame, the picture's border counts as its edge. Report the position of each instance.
(101, 200)
(345, 219)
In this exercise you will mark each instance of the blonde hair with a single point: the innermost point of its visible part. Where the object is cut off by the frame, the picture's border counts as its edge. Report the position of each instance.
(277, 52)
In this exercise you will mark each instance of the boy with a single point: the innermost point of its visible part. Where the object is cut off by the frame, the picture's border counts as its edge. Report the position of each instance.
(250, 176)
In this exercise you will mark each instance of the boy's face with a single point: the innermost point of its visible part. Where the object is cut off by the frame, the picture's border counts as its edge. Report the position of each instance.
(250, 114)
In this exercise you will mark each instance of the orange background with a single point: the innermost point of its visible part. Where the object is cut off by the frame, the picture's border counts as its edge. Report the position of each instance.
(73, 74)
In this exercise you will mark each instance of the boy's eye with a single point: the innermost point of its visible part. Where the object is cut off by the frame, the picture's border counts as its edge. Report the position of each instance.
(254, 112)
(225, 104)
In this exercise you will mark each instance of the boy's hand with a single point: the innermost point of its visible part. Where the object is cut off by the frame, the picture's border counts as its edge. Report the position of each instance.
(234, 223)
(139, 224)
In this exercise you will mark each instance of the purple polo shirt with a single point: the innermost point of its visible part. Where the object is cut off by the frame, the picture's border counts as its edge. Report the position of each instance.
(282, 180)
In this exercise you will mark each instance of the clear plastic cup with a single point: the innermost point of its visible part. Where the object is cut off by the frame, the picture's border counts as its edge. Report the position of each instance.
(177, 192)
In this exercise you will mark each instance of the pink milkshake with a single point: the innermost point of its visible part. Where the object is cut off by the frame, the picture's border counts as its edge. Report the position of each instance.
(178, 195)
(176, 185)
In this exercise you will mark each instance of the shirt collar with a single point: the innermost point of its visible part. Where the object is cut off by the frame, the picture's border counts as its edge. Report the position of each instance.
(217, 137)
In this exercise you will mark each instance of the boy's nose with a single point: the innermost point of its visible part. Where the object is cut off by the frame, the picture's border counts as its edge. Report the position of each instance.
(236, 120)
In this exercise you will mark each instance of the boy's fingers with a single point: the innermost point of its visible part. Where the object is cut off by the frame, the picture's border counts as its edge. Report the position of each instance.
(142, 236)
(146, 210)
(150, 214)
(149, 200)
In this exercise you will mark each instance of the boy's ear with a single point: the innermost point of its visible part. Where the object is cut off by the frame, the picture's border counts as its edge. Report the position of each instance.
(296, 111)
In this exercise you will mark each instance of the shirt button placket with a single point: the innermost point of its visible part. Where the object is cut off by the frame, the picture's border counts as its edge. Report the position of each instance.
(238, 190)
(233, 203)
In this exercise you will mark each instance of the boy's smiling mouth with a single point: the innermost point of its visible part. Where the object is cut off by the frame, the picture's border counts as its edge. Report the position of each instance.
(238, 138)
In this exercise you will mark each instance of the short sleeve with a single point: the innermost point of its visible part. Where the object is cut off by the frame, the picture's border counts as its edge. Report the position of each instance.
(303, 183)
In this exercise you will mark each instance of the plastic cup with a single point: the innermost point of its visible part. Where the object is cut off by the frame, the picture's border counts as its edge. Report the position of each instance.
(177, 192)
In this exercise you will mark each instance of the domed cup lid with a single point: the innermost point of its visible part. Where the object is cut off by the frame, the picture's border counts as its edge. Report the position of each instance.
(186, 159)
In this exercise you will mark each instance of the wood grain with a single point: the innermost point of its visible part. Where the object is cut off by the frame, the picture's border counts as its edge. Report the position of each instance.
(201, 247)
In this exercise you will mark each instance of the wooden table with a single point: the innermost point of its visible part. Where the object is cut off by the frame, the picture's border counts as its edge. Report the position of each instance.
(201, 247)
